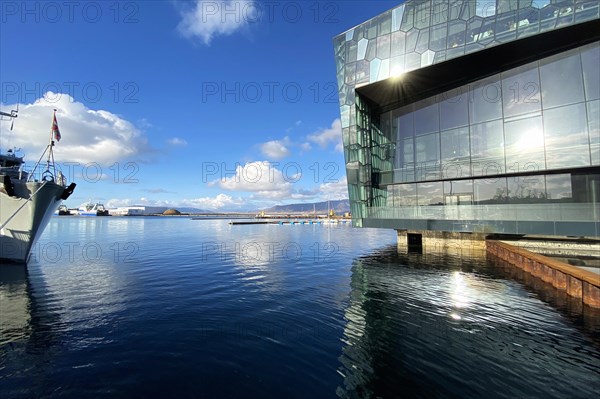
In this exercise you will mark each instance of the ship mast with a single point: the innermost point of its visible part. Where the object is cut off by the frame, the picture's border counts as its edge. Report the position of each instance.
(50, 160)
(11, 117)
(49, 173)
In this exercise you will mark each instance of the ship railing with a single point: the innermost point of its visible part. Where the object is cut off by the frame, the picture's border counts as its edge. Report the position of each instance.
(48, 171)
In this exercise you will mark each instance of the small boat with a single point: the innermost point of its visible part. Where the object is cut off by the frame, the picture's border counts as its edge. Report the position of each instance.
(91, 209)
(63, 211)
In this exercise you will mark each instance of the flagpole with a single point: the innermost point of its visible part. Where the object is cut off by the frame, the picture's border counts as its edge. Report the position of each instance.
(50, 160)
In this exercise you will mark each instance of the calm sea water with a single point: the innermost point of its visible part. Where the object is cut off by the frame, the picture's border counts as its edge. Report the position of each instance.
(173, 307)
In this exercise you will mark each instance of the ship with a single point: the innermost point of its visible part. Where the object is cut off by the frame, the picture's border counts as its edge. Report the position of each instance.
(28, 199)
(91, 209)
(63, 211)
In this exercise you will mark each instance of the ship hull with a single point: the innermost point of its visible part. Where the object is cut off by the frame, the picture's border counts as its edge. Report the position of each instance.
(23, 220)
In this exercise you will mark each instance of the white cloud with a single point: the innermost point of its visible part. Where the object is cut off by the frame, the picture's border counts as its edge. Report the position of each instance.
(276, 149)
(323, 137)
(260, 177)
(220, 201)
(265, 181)
(176, 141)
(208, 19)
(87, 135)
(305, 147)
(144, 124)
(335, 190)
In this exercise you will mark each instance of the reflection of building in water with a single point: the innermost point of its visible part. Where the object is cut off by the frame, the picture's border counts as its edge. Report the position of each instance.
(474, 116)
(449, 326)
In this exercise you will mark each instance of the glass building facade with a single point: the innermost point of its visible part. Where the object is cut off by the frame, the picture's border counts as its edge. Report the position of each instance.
(474, 116)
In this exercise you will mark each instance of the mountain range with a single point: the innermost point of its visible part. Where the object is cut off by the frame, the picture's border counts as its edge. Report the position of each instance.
(338, 206)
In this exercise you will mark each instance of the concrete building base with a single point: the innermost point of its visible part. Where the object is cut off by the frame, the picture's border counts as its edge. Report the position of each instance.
(574, 281)
(464, 244)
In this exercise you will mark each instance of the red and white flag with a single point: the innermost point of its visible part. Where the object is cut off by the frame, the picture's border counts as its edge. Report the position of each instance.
(55, 130)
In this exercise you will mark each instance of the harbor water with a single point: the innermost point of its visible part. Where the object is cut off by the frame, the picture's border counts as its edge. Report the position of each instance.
(172, 307)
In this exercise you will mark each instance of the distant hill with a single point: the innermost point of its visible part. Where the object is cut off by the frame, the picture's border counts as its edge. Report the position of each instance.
(339, 207)
(192, 210)
(160, 209)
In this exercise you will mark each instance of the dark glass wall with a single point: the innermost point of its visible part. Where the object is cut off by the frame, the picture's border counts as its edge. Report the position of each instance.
(538, 117)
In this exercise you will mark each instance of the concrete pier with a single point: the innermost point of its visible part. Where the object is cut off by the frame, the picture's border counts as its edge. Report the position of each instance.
(465, 244)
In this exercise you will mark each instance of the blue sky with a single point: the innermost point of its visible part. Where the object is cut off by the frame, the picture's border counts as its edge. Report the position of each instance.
(215, 105)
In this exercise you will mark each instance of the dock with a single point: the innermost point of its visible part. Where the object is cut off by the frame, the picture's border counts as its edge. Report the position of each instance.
(290, 222)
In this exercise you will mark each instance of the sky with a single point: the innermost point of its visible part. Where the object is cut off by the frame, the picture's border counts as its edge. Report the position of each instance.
(217, 105)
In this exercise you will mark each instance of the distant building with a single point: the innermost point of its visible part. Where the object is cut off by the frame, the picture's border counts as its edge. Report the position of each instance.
(474, 116)
(137, 210)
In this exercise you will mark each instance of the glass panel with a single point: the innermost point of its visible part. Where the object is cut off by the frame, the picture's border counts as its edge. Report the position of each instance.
(385, 125)
(411, 40)
(405, 195)
(456, 34)
(454, 9)
(566, 137)
(350, 73)
(593, 114)
(397, 17)
(565, 14)
(402, 121)
(405, 153)
(430, 193)
(351, 50)
(456, 159)
(371, 29)
(587, 11)
(405, 122)
(413, 61)
(526, 189)
(561, 79)
(408, 19)
(590, 59)
(398, 43)
(487, 148)
(488, 30)
(528, 22)
(427, 119)
(458, 192)
(439, 12)
(490, 191)
(521, 90)
(371, 50)
(385, 23)
(383, 47)
(485, 8)
(548, 17)
(427, 157)
(506, 26)
(558, 188)
(423, 42)
(438, 38)
(404, 175)
(524, 144)
(362, 49)
(486, 100)
(454, 111)
(586, 188)
(473, 29)
(422, 14)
